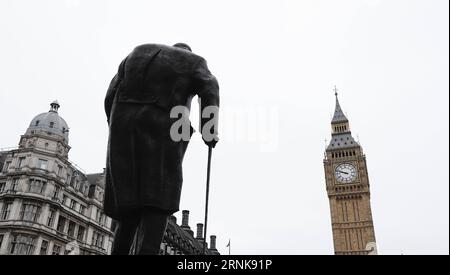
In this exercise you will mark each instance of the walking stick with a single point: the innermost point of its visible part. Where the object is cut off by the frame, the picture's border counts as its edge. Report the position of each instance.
(207, 197)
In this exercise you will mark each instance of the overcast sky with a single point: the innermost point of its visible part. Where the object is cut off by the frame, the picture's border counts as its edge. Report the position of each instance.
(277, 63)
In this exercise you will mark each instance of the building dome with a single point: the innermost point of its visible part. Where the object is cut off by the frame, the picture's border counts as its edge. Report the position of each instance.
(50, 123)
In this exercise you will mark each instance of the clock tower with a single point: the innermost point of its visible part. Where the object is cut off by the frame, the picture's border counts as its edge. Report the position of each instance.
(347, 184)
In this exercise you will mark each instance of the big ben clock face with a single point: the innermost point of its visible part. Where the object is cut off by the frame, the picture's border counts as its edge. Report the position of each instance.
(345, 173)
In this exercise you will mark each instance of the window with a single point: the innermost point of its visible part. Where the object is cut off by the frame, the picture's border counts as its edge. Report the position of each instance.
(7, 164)
(30, 212)
(56, 191)
(6, 209)
(42, 164)
(77, 185)
(97, 239)
(52, 124)
(101, 241)
(36, 186)
(100, 196)
(21, 162)
(1, 240)
(56, 249)
(37, 123)
(71, 230)
(61, 224)
(94, 238)
(15, 184)
(44, 247)
(72, 180)
(22, 245)
(73, 204)
(82, 209)
(99, 216)
(51, 218)
(80, 235)
(2, 186)
(60, 170)
(113, 225)
(85, 189)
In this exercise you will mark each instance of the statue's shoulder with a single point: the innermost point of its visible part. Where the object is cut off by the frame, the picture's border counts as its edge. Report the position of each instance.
(149, 47)
(168, 50)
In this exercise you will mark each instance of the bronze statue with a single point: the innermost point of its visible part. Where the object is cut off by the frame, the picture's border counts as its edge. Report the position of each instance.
(144, 163)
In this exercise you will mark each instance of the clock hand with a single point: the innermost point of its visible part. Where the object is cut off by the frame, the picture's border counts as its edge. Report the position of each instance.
(340, 171)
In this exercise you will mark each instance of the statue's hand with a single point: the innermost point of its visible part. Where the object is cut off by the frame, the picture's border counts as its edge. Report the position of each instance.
(211, 143)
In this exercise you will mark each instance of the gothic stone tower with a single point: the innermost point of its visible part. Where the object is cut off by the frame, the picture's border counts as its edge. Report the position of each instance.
(348, 189)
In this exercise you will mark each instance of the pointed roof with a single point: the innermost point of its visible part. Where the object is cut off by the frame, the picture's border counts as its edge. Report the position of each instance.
(339, 115)
(342, 141)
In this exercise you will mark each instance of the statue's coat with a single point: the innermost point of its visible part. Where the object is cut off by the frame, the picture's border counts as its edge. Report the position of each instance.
(144, 165)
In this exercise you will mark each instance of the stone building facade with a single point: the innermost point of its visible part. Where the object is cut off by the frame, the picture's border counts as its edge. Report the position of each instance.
(47, 204)
(347, 185)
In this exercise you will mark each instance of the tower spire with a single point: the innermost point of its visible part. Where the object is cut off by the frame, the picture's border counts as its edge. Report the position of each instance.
(340, 127)
(339, 115)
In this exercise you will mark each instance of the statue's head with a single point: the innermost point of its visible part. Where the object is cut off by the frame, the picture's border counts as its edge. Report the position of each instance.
(183, 46)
